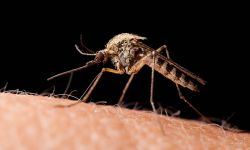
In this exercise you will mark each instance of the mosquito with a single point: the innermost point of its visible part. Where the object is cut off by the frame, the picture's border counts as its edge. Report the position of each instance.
(129, 54)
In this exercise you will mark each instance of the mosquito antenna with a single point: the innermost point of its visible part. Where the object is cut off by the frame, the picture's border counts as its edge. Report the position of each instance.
(88, 64)
(84, 45)
(87, 54)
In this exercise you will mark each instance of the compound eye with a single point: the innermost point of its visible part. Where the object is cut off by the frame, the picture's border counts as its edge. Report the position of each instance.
(99, 57)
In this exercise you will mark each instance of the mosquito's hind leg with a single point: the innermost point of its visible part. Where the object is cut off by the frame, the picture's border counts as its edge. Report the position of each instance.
(179, 91)
(190, 105)
(162, 48)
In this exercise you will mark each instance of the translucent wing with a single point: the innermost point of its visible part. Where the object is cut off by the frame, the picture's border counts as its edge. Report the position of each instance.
(184, 70)
(171, 62)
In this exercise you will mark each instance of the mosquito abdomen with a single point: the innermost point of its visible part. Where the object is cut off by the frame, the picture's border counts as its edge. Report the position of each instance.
(172, 73)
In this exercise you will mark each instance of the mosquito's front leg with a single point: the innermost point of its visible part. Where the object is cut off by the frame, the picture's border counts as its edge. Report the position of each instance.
(85, 98)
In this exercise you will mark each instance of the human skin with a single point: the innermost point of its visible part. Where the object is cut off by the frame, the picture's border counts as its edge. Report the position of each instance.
(36, 122)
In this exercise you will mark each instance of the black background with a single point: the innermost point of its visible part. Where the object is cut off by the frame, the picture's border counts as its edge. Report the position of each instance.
(208, 39)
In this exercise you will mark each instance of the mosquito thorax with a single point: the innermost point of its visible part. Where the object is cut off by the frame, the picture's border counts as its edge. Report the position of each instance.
(123, 37)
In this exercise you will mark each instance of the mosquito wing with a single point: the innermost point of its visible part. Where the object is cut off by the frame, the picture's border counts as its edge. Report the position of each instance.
(182, 69)
(174, 64)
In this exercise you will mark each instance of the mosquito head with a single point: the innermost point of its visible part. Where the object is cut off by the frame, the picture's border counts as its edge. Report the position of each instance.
(99, 57)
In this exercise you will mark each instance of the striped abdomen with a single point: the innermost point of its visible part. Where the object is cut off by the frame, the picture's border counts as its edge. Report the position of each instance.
(170, 70)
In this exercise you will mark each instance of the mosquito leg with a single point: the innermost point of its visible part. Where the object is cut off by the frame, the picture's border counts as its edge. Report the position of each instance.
(190, 105)
(68, 85)
(152, 92)
(137, 67)
(152, 84)
(125, 89)
(85, 98)
(179, 91)
(167, 52)
(98, 78)
(162, 48)
(89, 90)
(113, 71)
